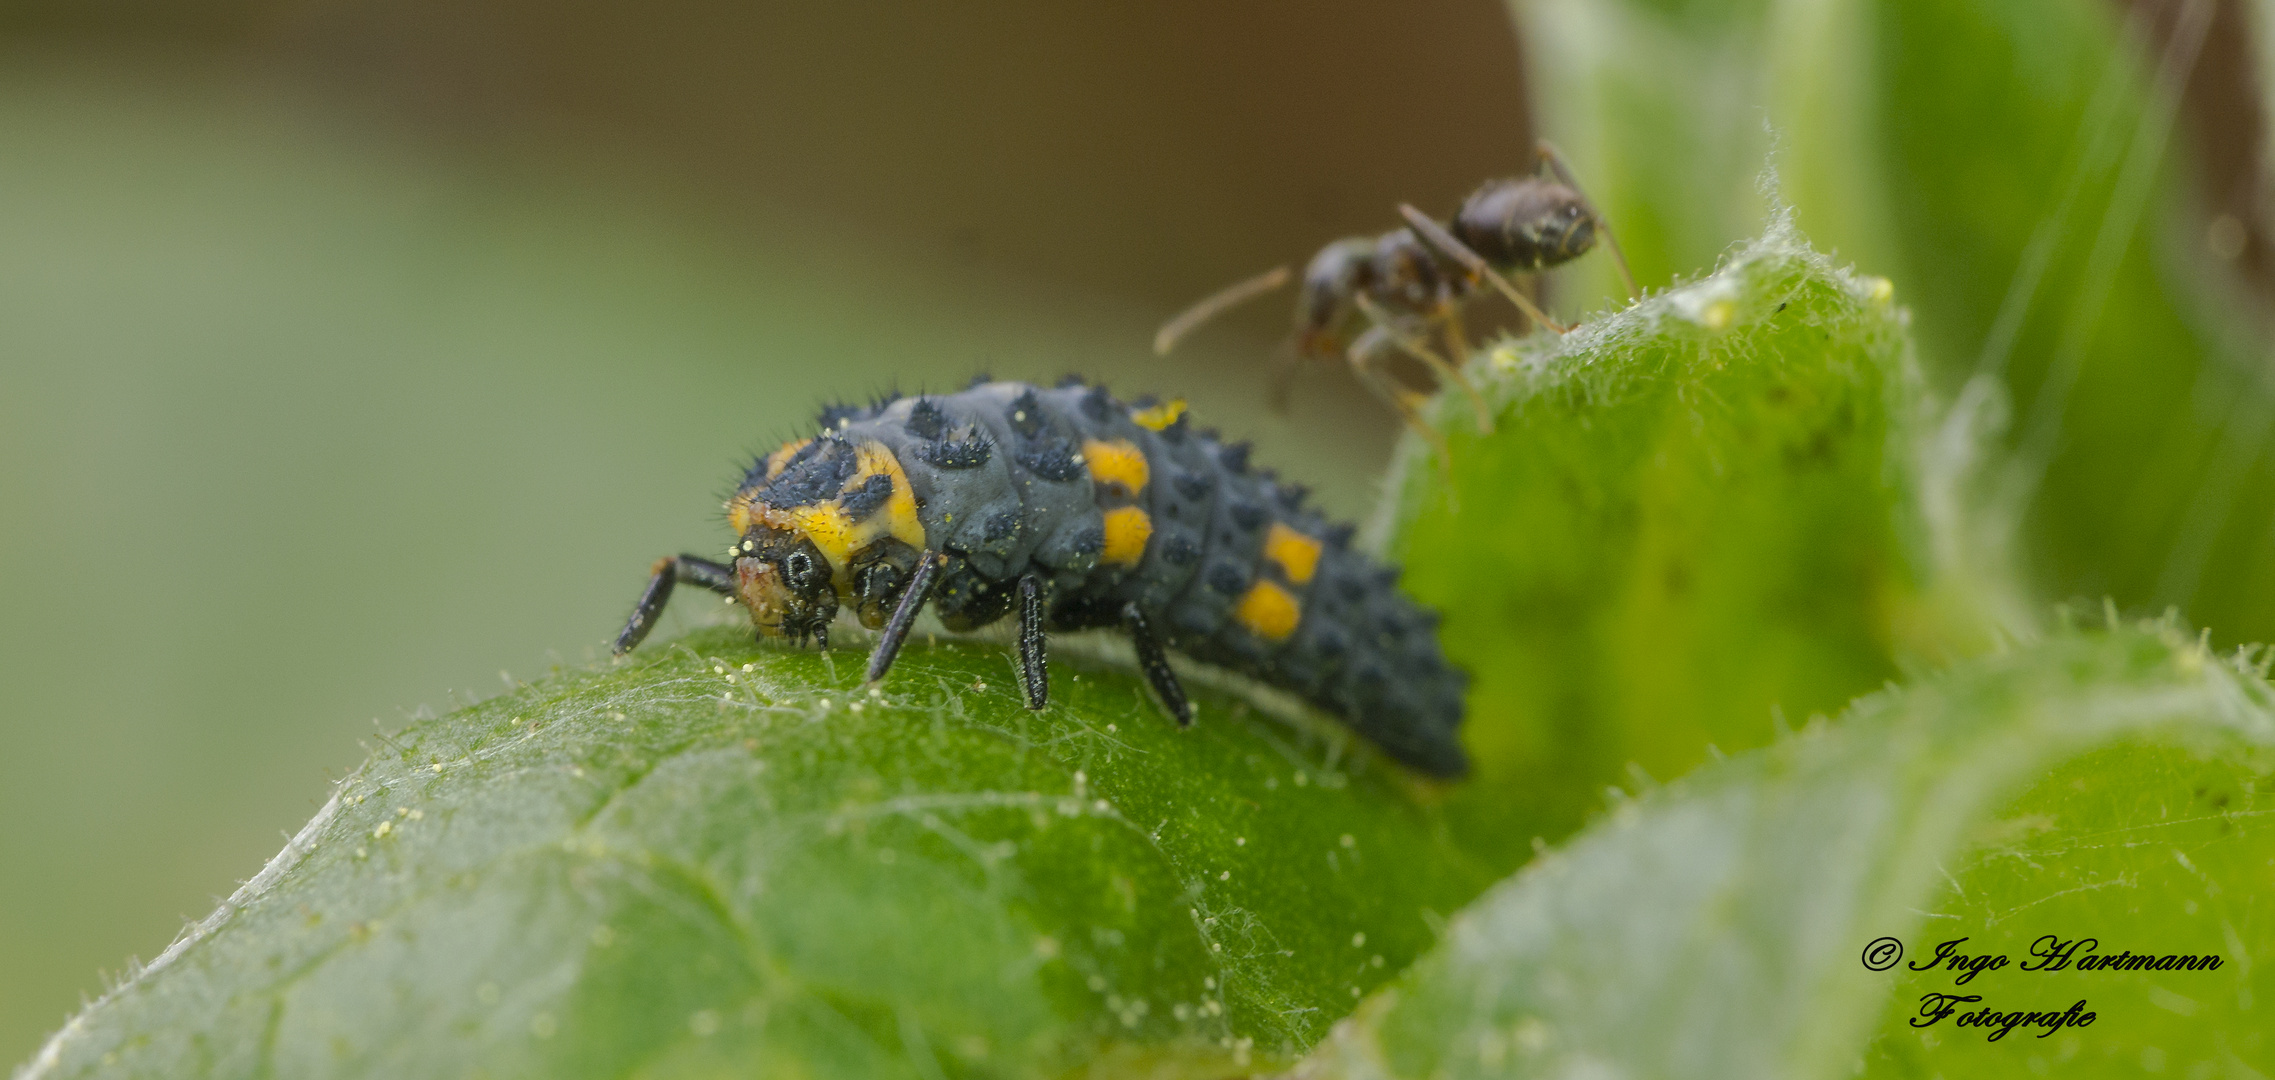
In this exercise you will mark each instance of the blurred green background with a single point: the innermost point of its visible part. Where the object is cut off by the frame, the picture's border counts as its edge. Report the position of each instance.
(354, 354)
(357, 355)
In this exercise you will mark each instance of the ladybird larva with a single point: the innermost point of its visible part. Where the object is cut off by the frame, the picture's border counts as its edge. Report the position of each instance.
(1077, 511)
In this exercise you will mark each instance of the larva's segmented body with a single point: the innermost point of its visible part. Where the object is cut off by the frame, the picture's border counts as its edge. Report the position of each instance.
(1079, 511)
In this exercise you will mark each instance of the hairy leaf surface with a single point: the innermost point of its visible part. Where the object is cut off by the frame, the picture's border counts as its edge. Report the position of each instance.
(721, 857)
(2107, 784)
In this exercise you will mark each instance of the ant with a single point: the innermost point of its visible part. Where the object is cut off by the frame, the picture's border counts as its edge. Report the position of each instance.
(1412, 280)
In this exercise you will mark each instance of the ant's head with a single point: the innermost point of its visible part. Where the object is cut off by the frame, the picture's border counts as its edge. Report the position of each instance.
(1527, 224)
(786, 583)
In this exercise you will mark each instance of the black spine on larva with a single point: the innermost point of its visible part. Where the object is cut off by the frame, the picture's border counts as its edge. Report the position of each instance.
(998, 472)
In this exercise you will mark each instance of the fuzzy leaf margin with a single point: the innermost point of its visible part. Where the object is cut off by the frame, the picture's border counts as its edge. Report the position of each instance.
(723, 856)
(1717, 927)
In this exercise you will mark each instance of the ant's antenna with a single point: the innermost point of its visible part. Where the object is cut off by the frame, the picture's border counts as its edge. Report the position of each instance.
(1555, 159)
(1215, 304)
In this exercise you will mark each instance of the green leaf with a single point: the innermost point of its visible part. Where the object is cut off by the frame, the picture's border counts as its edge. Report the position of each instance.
(1716, 927)
(1691, 517)
(683, 865)
(2008, 162)
(723, 857)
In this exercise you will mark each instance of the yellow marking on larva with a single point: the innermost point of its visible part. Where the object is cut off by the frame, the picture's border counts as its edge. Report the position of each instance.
(1296, 553)
(780, 459)
(1127, 530)
(1117, 462)
(1268, 611)
(836, 535)
(739, 512)
(899, 511)
(1159, 416)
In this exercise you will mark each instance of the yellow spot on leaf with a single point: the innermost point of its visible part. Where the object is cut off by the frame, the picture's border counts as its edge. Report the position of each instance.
(1296, 553)
(1127, 530)
(1116, 463)
(1159, 416)
(1268, 611)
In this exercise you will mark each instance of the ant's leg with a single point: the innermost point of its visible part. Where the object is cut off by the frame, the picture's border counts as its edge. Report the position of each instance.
(1554, 159)
(1287, 362)
(1457, 339)
(1365, 354)
(1457, 336)
(1034, 672)
(1155, 665)
(667, 572)
(1437, 237)
(904, 615)
(1420, 350)
(1215, 304)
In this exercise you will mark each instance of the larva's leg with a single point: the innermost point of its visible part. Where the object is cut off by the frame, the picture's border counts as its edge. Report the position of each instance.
(1034, 672)
(904, 614)
(1438, 238)
(1554, 159)
(1156, 666)
(669, 571)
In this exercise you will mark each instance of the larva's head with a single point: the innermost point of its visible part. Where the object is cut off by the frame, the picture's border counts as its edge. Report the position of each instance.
(785, 581)
(807, 517)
